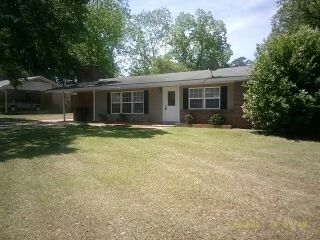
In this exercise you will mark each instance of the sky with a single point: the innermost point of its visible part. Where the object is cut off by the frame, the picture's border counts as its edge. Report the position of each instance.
(248, 22)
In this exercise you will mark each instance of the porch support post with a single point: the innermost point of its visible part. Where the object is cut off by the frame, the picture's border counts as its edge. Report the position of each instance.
(63, 107)
(94, 106)
(5, 100)
(178, 103)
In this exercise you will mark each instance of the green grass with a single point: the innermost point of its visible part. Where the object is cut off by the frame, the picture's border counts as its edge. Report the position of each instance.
(67, 181)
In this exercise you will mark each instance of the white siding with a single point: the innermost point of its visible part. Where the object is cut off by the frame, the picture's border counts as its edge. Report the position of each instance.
(155, 105)
(101, 104)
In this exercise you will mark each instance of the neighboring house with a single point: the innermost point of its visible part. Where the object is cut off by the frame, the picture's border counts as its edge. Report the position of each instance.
(163, 98)
(33, 91)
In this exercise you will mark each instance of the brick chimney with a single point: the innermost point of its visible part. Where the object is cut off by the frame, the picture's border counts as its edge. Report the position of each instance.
(87, 74)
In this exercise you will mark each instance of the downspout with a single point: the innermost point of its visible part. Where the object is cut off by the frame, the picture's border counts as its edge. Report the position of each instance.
(178, 103)
(6, 99)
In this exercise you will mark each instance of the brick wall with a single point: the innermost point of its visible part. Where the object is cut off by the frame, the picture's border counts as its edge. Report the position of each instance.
(232, 116)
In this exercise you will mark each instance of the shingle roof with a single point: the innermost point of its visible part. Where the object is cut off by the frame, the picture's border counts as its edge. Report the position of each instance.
(4, 83)
(168, 79)
(31, 79)
(181, 76)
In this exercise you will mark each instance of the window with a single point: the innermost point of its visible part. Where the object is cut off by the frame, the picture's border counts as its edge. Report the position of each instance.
(138, 102)
(116, 103)
(204, 98)
(196, 97)
(212, 97)
(171, 98)
(127, 102)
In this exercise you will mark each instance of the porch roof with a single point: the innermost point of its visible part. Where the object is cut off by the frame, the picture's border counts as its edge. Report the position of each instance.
(223, 75)
(6, 84)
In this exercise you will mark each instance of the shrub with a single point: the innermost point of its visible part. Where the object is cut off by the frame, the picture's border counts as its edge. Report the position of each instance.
(282, 93)
(189, 118)
(122, 118)
(103, 117)
(216, 119)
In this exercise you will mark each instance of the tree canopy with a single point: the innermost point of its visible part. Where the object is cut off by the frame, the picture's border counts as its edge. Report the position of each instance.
(105, 25)
(191, 41)
(52, 38)
(284, 91)
(36, 37)
(294, 13)
(163, 65)
(240, 62)
(195, 39)
(146, 35)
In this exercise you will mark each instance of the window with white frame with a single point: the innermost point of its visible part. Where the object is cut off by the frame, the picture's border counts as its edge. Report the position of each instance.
(212, 98)
(204, 98)
(115, 102)
(127, 102)
(196, 98)
(137, 101)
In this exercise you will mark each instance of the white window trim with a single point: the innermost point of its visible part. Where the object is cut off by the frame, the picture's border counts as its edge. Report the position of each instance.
(132, 102)
(204, 98)
(195, 98)
(116, 102)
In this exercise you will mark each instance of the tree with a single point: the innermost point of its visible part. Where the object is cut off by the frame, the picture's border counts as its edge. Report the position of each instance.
(104, 32)
(240, 62)
(146, 37)
(283, 93)
(36, 37)
(195, 39)
(162, 65)
(53, 37)
(181, 40)
(294, 13)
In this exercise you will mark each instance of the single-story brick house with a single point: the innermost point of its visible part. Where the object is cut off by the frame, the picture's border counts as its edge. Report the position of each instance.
(163, 98)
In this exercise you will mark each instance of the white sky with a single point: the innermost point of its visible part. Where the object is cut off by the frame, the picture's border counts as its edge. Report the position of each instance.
(248, 22)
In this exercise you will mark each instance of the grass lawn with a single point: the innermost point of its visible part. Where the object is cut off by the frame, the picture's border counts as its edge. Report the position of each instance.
(67, 181)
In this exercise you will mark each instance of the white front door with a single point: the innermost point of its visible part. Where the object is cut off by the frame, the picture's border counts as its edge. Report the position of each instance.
(170, 105)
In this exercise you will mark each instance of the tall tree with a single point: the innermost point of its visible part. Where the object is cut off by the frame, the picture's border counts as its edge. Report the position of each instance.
(146, 37)
(104, 32)
(36, 37)
(162, 65)
(181, 39)
(80, 32)
(240, 62)
(294, 13)
(195, 39)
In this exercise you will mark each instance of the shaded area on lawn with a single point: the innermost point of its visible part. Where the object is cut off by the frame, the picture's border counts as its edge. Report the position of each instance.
(21, 138)
(315, 137)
